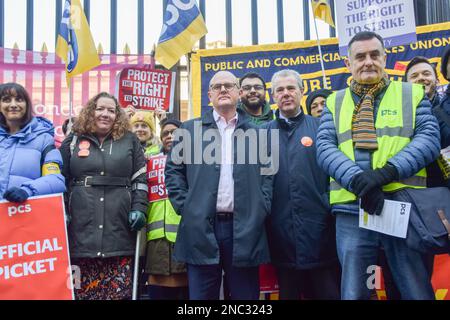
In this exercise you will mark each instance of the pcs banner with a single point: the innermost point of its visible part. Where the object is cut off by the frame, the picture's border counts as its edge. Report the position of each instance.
(304, 58)
(34, 257)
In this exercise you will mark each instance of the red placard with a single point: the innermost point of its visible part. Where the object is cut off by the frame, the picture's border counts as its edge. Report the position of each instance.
(440, 279)
(146, 89)
(34, 258)
(155, 178)
(268, 282)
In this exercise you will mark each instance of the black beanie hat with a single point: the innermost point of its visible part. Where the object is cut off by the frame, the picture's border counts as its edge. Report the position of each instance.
(175, 122)
(318, 93)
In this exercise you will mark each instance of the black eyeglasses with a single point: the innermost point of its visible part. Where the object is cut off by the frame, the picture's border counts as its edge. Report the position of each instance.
(166, 133)
(218, 86)
(257, 87)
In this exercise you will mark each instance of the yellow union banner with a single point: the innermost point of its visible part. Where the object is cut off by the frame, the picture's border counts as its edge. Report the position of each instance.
(304, 57)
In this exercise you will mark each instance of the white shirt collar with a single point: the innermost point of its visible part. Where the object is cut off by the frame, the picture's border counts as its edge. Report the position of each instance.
(287, 119)
(219, 118)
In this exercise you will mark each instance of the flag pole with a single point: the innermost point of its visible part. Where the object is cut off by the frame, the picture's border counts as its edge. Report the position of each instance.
(70, 102)
(188, 69)
(69, 44)
(152, 57)
(325, 86)
(134, 295)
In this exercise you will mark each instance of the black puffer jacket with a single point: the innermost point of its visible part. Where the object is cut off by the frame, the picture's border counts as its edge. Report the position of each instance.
(99, 214)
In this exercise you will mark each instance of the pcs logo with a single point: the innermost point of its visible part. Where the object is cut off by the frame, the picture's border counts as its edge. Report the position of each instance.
(73, 51)
(13, 210)
(388, 113)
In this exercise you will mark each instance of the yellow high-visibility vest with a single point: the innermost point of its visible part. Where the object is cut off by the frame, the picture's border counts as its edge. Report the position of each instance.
(162, 220)
(395, 123)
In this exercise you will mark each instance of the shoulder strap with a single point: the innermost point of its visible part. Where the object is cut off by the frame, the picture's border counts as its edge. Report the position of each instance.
(73, 143)
(45, 152)
(441, 115)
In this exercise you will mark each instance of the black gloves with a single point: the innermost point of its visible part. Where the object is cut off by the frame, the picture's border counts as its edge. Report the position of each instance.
(373, 201)
(367, 185)
(15, 194)
(136, 220)
(365, 181)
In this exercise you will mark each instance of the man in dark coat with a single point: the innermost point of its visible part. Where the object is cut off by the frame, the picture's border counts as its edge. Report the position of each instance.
(223, 201)
(419, 70)
(300, 227)
(443, 112)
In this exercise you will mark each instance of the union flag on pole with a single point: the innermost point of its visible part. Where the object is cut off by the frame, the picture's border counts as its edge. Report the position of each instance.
(322, 10)
(75, 45)
(183, 25)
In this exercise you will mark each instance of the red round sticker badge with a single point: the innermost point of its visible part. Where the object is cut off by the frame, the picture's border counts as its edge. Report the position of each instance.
(84, 144)
(306, 141)
(83, 153)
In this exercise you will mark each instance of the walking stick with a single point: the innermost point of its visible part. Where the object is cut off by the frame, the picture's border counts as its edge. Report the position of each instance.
(136, 266)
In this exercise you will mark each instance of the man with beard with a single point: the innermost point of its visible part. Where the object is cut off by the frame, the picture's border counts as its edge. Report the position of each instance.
(253, 98)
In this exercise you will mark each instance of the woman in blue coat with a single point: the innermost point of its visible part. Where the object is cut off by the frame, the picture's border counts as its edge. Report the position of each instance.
(30, 163)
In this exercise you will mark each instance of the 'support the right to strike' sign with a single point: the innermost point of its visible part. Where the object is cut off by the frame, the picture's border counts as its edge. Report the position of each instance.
(34, 257)
(146, 89)
(393, 20)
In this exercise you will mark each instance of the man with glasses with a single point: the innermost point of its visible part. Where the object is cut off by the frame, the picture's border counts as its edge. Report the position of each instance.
(300, 226)
(167, 279)
(223, 203)
(253, 98)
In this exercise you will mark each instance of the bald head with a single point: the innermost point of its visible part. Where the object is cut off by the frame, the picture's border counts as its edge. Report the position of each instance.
(224, 74)
(224, 92)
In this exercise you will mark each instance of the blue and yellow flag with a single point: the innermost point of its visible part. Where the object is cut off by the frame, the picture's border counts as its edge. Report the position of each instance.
(75, 45)
(322, 10)
(183, 25)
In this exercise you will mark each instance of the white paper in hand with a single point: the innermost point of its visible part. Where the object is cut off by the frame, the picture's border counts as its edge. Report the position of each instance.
(393, 220)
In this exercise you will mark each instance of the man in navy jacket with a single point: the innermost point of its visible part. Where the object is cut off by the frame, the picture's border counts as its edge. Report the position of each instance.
(300, 227)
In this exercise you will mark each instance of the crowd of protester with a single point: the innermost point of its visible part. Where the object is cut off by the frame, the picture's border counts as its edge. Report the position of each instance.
(222, 220)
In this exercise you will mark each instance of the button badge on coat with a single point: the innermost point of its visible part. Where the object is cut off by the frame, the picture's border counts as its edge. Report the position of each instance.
(84, 148)
(84, 144)
(306, 141)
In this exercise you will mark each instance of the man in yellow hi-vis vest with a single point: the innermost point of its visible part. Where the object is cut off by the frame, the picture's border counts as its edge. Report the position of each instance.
(375, 137)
